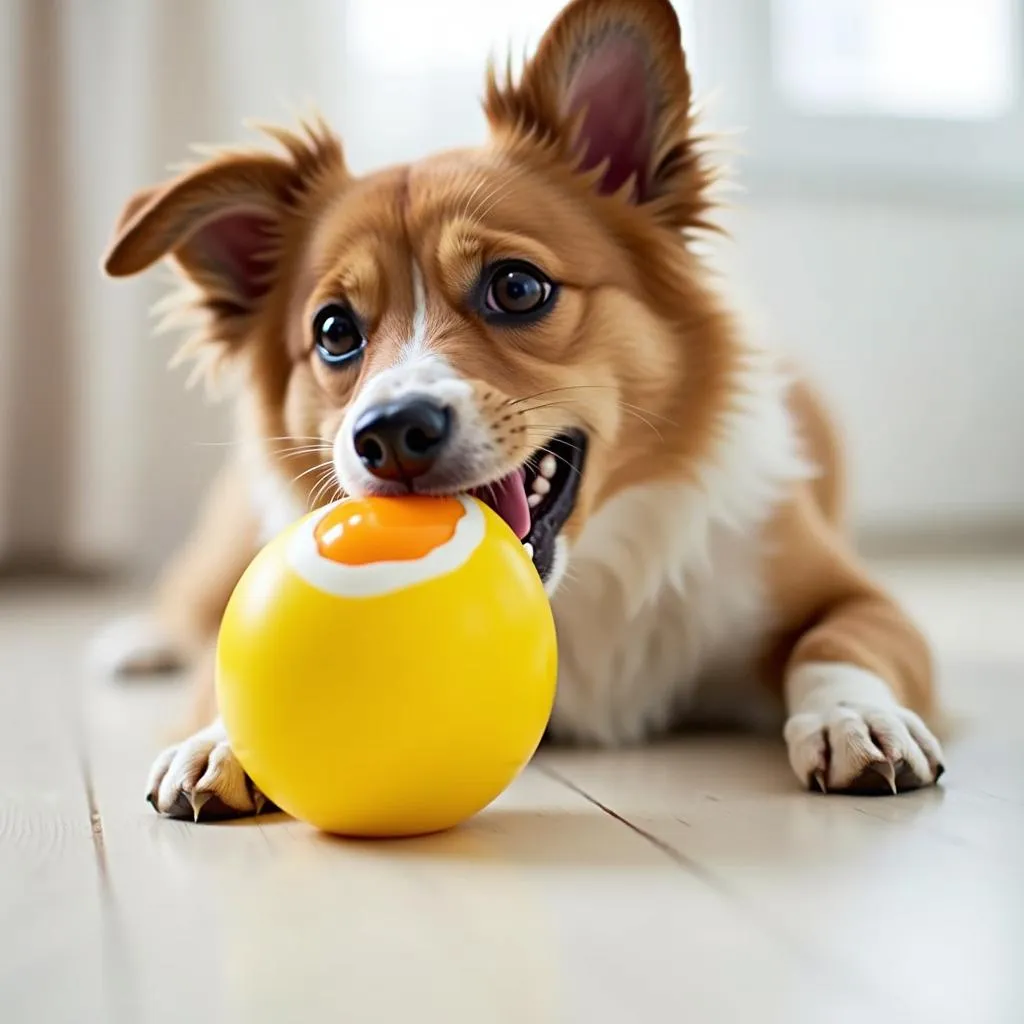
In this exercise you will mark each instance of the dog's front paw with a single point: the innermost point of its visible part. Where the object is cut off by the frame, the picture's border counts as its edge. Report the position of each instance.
(202, 777)
(133, 645)
(862, 749)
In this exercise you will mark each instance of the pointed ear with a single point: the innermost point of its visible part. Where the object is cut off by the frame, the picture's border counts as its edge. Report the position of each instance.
(608, 90)
(137, 202)
(223, 222)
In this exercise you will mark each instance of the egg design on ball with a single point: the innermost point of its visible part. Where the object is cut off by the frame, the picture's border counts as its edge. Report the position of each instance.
(386, 666)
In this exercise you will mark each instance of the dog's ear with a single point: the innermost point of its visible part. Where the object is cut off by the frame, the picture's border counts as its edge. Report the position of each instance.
(223, 222)
(137, 202)
(608, 90)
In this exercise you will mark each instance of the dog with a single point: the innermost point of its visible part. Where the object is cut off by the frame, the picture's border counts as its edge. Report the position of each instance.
(533, 320)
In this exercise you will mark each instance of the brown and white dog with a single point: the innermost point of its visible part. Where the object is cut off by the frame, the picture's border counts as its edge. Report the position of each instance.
(533, 315)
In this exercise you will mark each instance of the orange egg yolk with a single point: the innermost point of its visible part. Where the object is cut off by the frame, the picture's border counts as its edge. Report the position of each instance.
(361, 532)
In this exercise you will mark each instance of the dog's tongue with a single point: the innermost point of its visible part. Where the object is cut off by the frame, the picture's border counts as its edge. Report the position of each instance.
(508, 498)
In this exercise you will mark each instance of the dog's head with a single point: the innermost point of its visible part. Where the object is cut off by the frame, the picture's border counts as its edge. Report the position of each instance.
(525, 321)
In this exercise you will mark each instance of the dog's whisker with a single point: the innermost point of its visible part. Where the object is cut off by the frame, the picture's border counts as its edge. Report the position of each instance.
(320, 466)
(562, 459)
(639, 411)
(304, 448)
(322, 491)
(628, 410)
(265, 440)
(543, 434)
(322, 496)
(646, 422)
(552, 391)
(297, 452)
(647, 412)
(632, 410)
(540, 408)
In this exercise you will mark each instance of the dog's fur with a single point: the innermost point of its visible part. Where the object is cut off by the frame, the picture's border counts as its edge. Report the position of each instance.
(704, 573)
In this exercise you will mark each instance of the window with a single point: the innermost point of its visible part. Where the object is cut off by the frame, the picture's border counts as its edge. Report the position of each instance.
(878, 96)
(444, 34)
(450, 34)
(947, 59)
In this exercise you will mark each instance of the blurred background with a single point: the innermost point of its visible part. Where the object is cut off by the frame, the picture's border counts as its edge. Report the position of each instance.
(879, 236)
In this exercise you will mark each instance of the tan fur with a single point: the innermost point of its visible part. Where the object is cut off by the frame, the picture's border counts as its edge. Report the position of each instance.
(830, 610)
(639, 351)
(824, 450)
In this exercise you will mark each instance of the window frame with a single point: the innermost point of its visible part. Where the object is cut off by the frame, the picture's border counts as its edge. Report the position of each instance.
(793, 148)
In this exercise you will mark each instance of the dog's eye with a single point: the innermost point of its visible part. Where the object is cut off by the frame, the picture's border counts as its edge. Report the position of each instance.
(336, 334)
(516, 289)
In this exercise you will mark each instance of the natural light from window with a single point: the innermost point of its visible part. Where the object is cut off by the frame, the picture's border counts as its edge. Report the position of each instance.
(941, 59)
(444, 35)
(453, 35)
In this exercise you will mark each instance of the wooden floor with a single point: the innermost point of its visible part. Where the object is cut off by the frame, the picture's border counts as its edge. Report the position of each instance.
(692, 882)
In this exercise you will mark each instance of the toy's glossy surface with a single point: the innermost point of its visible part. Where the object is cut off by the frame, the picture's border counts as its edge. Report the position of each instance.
(386, 667)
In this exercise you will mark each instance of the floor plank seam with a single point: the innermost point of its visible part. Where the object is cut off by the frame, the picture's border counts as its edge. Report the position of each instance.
(856, 986)
(121, 995)
(666, 848)
(76, 722)
(99, 842)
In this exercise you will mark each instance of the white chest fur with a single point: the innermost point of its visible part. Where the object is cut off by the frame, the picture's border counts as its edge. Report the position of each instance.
(664, 606)
(632, 651)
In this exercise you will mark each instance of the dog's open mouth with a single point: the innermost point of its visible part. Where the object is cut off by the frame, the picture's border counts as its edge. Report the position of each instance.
(537, 498)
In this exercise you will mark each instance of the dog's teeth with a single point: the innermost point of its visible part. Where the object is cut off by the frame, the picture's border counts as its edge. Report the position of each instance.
(541, 486)
(528, 548)
(534, 500)
(548, 466)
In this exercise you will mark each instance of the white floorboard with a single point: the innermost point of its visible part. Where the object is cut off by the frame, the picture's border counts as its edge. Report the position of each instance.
(691, 881)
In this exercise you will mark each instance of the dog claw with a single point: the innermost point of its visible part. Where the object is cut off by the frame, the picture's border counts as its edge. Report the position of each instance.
(819, 778)
(887, 771)
(259, 801)
(198, 802)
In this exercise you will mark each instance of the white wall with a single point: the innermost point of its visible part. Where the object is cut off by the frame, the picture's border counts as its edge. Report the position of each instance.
(910, 315)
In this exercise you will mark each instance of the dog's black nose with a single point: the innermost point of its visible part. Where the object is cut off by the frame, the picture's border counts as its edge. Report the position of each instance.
(402, 440)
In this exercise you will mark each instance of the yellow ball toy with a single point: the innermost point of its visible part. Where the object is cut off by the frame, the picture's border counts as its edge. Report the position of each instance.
(386, 666)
